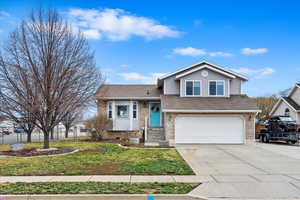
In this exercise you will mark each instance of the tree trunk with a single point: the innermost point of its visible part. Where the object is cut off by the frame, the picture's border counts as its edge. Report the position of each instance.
(67, 132)
(29, 136)
(51, 134)
(46, 140)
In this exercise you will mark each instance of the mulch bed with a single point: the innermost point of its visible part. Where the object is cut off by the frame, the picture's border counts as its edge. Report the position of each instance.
(34, 152)
(125, 143)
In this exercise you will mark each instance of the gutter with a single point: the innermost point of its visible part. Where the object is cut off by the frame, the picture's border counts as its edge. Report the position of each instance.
(130, 98)
(210, 111)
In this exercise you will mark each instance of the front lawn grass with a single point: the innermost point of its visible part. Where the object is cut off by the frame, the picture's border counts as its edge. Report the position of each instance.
(97, 159)
(95, 188)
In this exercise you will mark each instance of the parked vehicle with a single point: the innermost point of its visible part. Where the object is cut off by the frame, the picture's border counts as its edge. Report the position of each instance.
(259, 125)
(4, 130)
(280, 128)
(18, 130)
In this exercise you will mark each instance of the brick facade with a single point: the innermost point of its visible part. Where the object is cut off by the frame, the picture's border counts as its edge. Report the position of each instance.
(143, 113)
(101, 107)
(117, 135)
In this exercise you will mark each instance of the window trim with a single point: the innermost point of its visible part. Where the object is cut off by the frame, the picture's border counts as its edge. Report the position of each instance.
(224, 93)
(110, 104)
(193, 88)
(136, 110)
(128, 111)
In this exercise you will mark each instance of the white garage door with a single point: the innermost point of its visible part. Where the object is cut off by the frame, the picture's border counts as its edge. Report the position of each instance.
(209, 130)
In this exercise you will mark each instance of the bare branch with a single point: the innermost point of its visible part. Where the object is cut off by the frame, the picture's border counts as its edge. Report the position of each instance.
(47, 71)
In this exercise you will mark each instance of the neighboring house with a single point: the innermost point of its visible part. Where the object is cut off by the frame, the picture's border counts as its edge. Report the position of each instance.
(201, 103)
(289, 105)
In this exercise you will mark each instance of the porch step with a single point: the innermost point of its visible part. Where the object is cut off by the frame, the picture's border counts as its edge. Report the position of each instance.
(161, 143)
(152, 144)
(155, 134)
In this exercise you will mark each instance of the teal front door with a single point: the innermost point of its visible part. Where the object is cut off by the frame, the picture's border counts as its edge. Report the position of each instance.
(155, 113)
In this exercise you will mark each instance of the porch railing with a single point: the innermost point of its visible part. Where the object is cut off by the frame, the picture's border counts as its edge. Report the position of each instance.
(146, 129)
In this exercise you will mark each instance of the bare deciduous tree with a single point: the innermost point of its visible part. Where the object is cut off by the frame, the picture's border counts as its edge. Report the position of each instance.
(49, 68)
(265, 104)
(70, 120)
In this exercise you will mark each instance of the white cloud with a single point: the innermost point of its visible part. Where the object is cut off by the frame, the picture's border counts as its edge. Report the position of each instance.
(117, 25)
(92, 34)
(139, 78)
(3, 14)
(249, 51)
(190, 51)
(256, 73)
(220, 54)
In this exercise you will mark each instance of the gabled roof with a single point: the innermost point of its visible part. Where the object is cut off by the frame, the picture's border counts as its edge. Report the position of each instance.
(233, 104)
(289, 101)
(202, 67)
(202, 63)
(296, 86)
(292, 103)
(128, 92)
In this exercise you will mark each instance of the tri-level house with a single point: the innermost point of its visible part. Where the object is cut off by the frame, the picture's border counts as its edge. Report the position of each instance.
(199, 104)
(289, 105)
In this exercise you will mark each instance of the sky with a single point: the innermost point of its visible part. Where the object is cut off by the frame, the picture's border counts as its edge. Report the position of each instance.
(137, 41)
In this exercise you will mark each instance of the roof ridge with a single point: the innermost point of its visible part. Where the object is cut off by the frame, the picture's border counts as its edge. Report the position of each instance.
(130, 84)
(292, 103)
(222, 68)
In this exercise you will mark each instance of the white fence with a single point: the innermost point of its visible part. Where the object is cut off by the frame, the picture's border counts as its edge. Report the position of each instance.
(37, 136)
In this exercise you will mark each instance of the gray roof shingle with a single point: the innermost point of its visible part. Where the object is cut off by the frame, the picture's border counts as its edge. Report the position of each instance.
(235, 102)
(127, 91)
(292, 103)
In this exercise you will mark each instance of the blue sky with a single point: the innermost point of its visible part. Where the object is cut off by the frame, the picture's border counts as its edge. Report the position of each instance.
(136, 41)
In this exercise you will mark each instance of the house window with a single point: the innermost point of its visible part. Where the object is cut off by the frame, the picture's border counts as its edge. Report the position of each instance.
(109, 110)
(287, 112)
(216, 88)
(193, 88)
(122, 111)
(134, 110)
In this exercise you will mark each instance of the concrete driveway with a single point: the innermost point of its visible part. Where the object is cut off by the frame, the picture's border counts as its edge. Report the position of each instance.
(245, 171)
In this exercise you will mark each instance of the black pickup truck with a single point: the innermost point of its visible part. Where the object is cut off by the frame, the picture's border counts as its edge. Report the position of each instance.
(280, 128)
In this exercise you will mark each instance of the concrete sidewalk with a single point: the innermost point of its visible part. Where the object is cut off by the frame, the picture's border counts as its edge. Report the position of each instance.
(126, 179)
(100, 197)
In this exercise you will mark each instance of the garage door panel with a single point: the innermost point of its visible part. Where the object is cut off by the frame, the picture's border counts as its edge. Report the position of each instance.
(209, 129)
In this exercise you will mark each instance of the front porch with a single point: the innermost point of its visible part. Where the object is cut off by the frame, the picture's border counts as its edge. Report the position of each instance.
(135, 119)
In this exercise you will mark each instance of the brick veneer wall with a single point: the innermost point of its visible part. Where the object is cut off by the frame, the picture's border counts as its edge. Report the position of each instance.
(101, 104)
(170, 125)
(143, 112)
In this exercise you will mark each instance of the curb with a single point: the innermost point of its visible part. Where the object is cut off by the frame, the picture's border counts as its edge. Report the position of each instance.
(62, 154)
(101, 197)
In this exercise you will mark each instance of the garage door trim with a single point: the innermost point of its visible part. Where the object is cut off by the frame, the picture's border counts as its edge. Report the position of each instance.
(212, 115)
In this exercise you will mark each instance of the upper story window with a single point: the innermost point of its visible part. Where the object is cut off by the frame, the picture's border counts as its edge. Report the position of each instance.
(216, 88)
(192, 88)
(287, 112)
